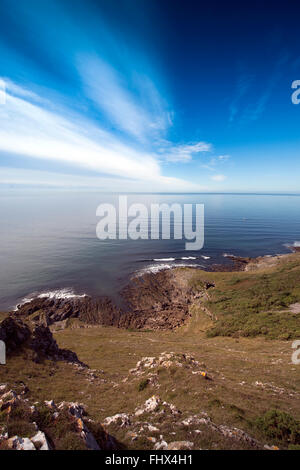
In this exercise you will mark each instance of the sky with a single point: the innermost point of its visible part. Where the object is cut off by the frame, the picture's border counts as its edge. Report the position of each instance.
(149, 95)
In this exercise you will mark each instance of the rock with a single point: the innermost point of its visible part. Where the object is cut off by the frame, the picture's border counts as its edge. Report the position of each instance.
(169, 310)
(149, 406)
(87, 436)
(14, 333)
(76, 422)
(76, 409)
(48, 311)
(153, 404)
(121, 418)
(3, 387)
(19, 443)
(167, 360)
(3, 433)
(233, 433)
(50, 404)
(161, 445)
(9, 395)
(172, 408)
(238, 435)
(180, 445)
(40, 441)
(156, 301)
(132, 435)
(152, 428)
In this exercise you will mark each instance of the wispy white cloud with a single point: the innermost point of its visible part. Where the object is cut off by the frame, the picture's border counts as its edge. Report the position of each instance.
(252, 109)
(29, 128)
(255, 110)
(184, 153)
(218, 177)
(223, 158)
(212, 165)
(244, 82)
(28, 177)
(140, 114)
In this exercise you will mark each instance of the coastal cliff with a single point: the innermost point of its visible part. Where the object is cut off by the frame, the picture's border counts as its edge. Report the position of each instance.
(178, 367)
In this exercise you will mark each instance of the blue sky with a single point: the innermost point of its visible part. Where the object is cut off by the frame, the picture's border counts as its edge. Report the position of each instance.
(146, 95)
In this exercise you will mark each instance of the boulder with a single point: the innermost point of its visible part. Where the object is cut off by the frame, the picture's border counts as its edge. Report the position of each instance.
(121, 418)
(19, 443)
(40, 441)
(14, 333)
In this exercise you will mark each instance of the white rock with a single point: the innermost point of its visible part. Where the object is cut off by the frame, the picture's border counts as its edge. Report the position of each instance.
(50, 404)
(162, 445)
(180, 445)
(40, 441)
(11, 394)
(122, 418)
(19, 443)
(152, 428)
(150, 405)
(76, 409)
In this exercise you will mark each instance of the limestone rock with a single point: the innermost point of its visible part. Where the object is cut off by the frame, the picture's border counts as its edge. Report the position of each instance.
(40, 441)
(149, 406)
(121, 418)
(180, 445)
(19, 443)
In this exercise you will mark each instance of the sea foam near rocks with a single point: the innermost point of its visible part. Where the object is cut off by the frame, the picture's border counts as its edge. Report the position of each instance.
(64, 293)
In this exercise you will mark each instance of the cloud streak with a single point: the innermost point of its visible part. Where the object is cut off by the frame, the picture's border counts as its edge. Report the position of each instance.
(218, 178)
(184, 153)
(29, 127)
(110, 93)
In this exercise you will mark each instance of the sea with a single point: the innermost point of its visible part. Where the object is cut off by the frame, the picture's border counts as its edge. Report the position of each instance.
(49, 246)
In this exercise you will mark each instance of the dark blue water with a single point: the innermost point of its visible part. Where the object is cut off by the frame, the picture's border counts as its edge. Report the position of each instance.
(48, 239)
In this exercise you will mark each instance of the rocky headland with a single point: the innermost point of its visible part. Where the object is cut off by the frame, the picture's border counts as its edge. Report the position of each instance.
(196, 394)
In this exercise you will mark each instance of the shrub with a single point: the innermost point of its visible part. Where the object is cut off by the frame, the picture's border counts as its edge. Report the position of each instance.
(280, 426)
(71, 441)
(143, 384)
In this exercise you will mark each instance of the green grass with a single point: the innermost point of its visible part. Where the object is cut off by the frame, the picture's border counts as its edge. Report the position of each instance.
(255, 303)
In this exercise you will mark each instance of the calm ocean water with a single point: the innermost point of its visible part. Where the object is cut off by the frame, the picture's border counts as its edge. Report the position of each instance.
(48, 239)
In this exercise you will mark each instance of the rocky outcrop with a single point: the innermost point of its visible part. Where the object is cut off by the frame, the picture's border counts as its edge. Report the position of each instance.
(47, 311)
(231, 433)
(71, 417)
(16, 334)
(167, 360)
(157, 412)
(152, 301)
(159, 301)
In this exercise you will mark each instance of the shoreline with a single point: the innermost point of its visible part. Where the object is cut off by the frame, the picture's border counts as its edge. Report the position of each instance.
(154, 301)
(232, 263)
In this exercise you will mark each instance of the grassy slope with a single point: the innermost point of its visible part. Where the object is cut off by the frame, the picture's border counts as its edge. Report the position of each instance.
(256, 302)
(235, 364)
